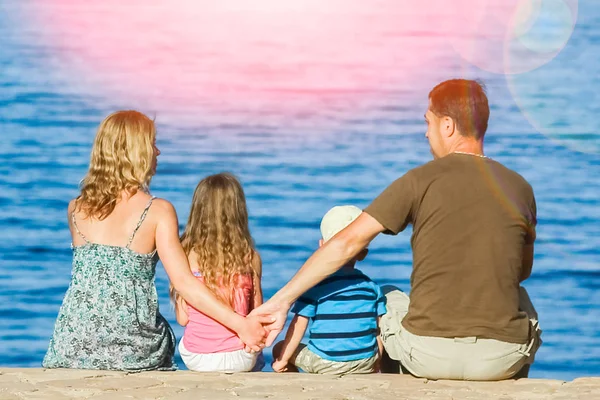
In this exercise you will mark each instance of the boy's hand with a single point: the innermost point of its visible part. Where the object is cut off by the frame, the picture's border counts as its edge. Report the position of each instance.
(280, 366)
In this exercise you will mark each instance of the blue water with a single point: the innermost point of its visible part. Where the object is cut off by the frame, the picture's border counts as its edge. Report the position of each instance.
(337, 148)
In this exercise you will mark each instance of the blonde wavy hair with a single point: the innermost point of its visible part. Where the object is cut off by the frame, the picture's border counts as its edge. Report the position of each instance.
(122, 159)
(218, 235)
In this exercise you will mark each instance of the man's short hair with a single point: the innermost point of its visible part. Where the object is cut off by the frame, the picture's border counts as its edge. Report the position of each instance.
(465, 102)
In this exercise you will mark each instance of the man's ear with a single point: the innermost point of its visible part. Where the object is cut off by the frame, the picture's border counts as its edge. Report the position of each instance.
(321, 242)
(361, 256)
(448, 127)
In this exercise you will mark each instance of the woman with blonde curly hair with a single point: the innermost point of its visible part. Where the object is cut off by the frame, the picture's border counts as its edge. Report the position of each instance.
(109, 318)
(221, 254)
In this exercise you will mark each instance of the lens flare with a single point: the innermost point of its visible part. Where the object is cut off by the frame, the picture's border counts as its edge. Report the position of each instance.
(544, 26)
(511, 36)
(560, 98)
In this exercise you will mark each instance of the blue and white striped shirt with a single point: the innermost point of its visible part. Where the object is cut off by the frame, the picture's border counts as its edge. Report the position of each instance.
(343, 310)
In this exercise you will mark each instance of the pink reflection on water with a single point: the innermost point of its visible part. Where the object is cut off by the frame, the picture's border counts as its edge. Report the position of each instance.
(230, 50)
(266, 53)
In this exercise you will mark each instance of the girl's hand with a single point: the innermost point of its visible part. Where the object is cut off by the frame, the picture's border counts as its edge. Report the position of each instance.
(252, 333)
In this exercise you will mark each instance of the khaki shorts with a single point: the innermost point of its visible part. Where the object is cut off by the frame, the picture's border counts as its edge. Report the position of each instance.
(468, 358)
(310, 362)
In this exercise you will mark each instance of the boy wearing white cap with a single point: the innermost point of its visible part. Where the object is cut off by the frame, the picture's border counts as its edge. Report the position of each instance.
(344, 311)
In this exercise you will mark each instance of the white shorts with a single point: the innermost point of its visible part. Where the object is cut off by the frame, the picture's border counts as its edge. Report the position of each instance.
(232, 361)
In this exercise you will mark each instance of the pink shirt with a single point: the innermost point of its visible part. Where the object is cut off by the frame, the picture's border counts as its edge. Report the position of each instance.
(203, 334)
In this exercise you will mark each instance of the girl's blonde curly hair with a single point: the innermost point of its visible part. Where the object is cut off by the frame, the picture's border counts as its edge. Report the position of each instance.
(218, 236)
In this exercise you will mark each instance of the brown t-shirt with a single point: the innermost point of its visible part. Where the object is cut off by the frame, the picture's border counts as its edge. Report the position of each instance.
(471, 218)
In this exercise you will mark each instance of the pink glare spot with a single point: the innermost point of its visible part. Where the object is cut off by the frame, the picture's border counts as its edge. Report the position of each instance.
(244, 51)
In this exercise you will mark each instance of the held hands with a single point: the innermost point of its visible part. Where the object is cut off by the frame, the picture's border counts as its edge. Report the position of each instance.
(252, 333)
(273, 315)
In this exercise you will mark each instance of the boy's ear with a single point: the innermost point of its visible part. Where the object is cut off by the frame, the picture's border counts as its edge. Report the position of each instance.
(321, 242)
(361, 256)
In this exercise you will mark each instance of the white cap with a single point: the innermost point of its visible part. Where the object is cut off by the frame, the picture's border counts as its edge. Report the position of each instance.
(337, 219)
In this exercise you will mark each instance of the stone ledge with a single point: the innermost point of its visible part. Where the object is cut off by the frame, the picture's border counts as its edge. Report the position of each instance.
(51, 384)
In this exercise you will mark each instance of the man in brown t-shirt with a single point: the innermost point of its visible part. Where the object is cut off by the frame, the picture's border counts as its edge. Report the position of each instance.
(473, 232)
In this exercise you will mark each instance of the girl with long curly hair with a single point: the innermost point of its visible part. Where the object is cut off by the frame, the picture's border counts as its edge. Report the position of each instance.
(109, 318)
(221, 254)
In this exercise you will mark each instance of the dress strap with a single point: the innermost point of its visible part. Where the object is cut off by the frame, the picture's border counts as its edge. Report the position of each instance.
(143, 216)
(77, 228)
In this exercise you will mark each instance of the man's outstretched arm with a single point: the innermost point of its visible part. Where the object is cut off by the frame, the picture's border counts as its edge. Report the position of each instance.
(328, 259)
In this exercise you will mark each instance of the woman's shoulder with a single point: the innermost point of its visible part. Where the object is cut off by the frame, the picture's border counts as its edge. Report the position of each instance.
(71, 206)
